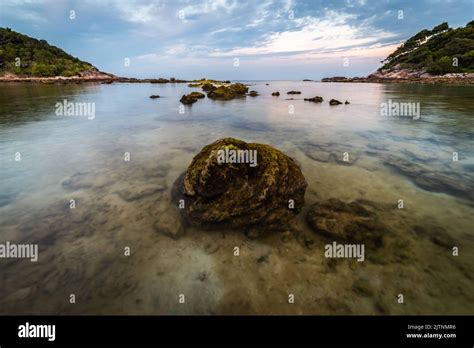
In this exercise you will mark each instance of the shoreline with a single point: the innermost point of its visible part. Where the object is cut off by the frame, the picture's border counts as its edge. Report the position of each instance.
(449, 79)
(407, 76)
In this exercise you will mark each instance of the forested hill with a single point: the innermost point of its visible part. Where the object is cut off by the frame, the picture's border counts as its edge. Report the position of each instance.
(25, 56)
(438, 51)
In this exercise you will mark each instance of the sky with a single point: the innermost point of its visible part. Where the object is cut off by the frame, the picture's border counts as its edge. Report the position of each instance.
(231, 39)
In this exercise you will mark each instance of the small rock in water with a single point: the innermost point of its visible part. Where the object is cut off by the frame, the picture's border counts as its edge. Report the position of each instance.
(154, 96)
(294, 92)
(253, 93)
(197, 95)
(347, 102)
(187, 100)
(316, 99)
(169, 224)
(276, 94)
(334, 102)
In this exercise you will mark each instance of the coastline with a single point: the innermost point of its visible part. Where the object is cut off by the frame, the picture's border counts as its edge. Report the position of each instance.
(87, 76)
(407, 76)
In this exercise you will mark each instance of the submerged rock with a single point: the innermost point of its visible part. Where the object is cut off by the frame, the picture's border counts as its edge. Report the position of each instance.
(188, 100)
(276, 94)
(334, 102)
(436, 181)
(316, 99)
(353, 222)
(170, 224)
(197, 95)
(260, 197)
(138, 191)
(294, 92)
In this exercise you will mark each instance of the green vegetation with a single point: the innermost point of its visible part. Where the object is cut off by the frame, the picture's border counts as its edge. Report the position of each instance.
(438, 51)
(25, 56)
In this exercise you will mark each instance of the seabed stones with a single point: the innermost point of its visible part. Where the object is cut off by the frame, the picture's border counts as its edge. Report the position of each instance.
(353, 222)
(236, 195)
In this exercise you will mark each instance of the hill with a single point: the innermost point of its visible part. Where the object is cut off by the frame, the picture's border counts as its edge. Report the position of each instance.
(438, 51)
(24, 56)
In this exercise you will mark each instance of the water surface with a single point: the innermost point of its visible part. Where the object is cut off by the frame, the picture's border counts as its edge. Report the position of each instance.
(82, 250)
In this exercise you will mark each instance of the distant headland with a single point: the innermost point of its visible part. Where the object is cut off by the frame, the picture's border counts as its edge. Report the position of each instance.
(439, 56)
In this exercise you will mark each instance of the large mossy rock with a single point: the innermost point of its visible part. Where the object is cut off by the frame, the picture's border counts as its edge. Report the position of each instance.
(228, 92)
(221, 93)
(236, 195)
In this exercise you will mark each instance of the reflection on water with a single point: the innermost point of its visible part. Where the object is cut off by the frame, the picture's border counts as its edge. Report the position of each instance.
(118, 202)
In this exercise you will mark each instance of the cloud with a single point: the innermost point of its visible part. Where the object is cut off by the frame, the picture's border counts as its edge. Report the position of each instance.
(331, 32)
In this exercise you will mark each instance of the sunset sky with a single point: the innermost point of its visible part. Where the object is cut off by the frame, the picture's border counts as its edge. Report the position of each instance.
(271, 39)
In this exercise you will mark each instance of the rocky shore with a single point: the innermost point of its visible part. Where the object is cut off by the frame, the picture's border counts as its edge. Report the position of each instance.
(399, 75)
(86, 76)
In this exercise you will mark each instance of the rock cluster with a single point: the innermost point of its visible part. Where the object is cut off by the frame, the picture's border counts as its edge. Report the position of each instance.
(226, 92)
(236, 195)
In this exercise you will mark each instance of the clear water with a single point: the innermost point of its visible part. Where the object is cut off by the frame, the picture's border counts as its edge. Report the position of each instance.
(82, 250)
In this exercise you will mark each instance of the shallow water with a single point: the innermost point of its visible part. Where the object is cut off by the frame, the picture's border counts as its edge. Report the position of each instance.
(81, 250)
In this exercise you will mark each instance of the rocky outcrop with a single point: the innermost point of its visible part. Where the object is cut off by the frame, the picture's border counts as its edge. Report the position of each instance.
(228, 92)
(238, 195)
(188, 100)
(208, 87)
(197, 95)
(221, 93)
(316, 99)
(239, 88)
